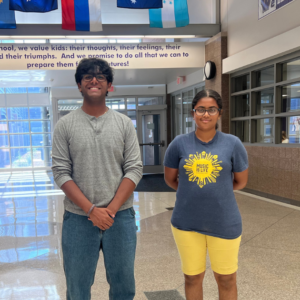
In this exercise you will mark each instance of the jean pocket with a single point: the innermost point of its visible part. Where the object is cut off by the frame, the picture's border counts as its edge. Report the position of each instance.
(67, 215)
(132, 211)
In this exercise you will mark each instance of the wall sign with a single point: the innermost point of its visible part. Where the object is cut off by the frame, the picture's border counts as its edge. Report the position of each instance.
(266, 7)
(119, 56)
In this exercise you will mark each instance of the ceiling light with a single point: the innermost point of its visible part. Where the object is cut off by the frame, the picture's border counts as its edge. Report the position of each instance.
(37, 37)
(85, 37)
(169, 36)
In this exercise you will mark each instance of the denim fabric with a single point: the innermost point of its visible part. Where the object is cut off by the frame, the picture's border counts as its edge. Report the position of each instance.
(81, 244)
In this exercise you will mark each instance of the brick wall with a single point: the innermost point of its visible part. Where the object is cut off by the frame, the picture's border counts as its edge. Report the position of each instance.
(275, 171)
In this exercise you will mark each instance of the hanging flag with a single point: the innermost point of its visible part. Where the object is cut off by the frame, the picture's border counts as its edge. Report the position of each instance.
(173, 14)
(140, 4)
(39, 6)
(7, 17)
(81, 15)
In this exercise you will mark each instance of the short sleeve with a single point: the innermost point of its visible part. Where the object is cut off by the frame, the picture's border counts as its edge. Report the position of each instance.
(172, 156)
(239, 157)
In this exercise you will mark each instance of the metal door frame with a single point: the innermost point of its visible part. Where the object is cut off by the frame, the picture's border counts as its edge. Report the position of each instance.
(150, 110)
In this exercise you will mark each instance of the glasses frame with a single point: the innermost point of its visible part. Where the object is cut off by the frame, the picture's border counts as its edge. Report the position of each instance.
(205, 110)
(94, 76)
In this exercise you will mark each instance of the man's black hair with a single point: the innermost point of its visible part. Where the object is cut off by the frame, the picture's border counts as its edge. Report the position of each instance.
(208, 94)
(97, 65)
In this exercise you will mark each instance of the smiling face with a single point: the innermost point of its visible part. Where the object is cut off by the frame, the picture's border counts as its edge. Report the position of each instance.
(95, 89)
(206, 122)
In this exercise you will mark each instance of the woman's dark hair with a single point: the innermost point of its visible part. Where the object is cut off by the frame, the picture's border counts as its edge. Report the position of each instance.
(94, 64)
(206, 93)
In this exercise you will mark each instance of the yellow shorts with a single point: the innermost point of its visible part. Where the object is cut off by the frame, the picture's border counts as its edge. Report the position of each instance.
(192, 247)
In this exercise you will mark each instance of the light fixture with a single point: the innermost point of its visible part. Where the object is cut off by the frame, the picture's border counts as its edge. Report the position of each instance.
(169, 36)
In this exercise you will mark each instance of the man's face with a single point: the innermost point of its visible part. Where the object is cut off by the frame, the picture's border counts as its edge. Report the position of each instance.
(94, 85)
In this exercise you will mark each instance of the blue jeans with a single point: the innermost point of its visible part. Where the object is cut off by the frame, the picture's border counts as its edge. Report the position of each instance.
(81, 244)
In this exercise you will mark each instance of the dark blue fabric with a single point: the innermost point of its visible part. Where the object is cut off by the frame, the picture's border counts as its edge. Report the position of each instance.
(7, 17)
(140, 4)
(205, 201)
(40, 6)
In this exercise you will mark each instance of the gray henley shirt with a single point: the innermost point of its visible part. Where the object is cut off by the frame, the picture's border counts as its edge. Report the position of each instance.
(96, 153)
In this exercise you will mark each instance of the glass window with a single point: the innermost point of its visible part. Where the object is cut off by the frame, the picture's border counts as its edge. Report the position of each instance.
(2, 91)
(265, 130)
(177, 116)
(21, 157)
(187, 107)
(290, 98)
(241, 83)
(3, 127)
(291, 69)
(150, 101)
(39, 113)
(42, 157)
(265, 102)
(242, 130)
(264, 77)
(3, 141)
(37, 90)
(199, 89)
(18, 127)
(241, 106)
(17, 113)
(290, 130)
(40, 126)
(132, 116)
(4, 158)
(131, 103)
(117, 103)
(19, 140)
(3, 113)
(41, 139)
(14, 90)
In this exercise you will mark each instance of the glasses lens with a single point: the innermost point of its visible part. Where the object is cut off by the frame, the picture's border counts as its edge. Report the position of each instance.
(100, 77)
(212, 111)
(87, 77)
(200, 111)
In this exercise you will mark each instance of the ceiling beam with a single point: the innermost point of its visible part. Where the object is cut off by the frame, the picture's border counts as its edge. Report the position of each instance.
(199, 30)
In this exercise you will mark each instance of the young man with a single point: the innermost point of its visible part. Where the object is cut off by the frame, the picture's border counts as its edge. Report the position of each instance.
(96, 162)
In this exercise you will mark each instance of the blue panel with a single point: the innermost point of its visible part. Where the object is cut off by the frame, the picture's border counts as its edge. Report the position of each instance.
(82, 15)
(17, 113)
(181, 13)
(18, 127)
(155, 18)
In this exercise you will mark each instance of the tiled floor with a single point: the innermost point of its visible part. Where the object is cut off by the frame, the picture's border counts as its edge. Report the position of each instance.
(30, 248)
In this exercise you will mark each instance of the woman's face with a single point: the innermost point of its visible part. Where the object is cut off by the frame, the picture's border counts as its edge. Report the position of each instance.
(206, 122)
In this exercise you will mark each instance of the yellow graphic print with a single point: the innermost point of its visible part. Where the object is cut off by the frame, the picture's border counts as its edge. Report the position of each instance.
(1, 1)
(203, 168)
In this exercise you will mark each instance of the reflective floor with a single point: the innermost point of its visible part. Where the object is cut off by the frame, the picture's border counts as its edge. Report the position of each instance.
(31, 210)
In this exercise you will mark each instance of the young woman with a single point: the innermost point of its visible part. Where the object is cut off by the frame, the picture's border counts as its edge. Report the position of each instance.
(210, 165)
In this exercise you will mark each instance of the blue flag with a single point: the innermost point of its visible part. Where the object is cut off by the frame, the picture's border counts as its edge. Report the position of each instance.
(140, 4)
(173, 14)
(7, 17)
(39, 6)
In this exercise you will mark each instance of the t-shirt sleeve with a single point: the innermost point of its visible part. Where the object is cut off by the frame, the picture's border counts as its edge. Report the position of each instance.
(239, 157)
(172, 155)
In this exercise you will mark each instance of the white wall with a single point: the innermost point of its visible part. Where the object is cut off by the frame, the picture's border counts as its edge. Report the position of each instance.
(142, 90)
(200, 11)
(191, 79)
(240, 19)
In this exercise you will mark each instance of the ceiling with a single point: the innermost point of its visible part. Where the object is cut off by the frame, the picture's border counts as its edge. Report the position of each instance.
(65, 78)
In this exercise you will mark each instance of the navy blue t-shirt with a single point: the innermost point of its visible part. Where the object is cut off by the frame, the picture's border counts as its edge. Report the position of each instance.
(205, 200)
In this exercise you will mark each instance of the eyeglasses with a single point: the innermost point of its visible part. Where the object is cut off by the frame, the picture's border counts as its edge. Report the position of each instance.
(202, 111)
(90, 77)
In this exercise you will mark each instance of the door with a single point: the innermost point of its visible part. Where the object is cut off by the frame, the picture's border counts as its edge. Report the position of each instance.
(152, 139)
